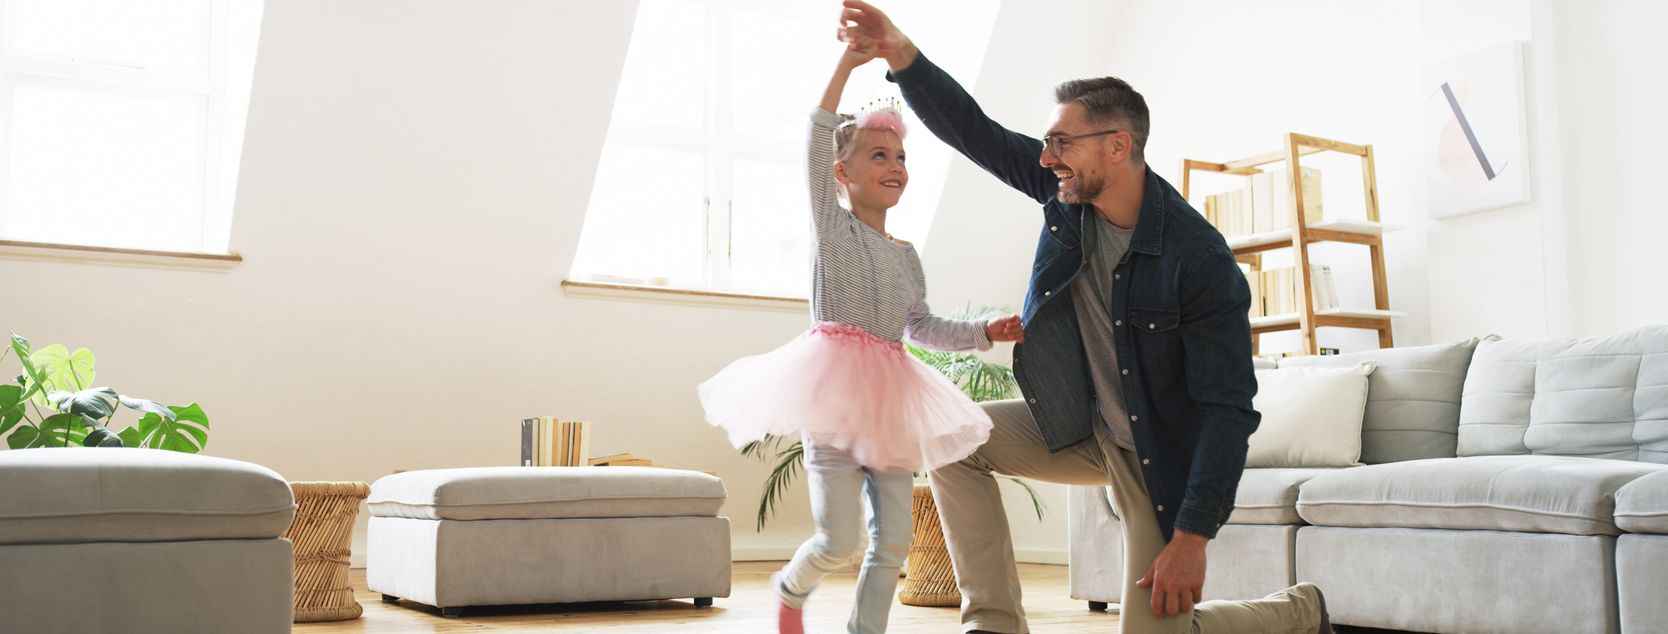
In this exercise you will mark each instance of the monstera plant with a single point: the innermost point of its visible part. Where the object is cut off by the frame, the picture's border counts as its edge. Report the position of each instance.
(981, 380)
(54, 403)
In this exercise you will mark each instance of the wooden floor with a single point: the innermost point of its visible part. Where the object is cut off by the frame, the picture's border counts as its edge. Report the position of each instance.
(751, 607)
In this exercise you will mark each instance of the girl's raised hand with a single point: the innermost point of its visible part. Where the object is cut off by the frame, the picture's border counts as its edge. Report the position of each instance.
(855, 56)
(1005, 329)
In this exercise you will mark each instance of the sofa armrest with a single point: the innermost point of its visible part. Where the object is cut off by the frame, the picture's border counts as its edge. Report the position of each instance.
(1095, 543)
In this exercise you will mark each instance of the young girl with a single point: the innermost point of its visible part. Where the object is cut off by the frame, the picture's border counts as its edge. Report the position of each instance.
(869, 414)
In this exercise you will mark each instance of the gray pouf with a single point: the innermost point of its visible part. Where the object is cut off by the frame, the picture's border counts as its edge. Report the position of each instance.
(524, 535)
(142, 540)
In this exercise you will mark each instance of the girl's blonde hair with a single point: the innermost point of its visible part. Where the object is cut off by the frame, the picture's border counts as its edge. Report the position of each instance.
(882, 114)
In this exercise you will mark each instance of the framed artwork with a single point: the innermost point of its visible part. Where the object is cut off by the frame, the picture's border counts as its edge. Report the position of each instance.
(1476, 136)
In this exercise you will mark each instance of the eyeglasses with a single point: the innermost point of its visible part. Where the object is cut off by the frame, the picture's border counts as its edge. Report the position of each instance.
(1054, 142)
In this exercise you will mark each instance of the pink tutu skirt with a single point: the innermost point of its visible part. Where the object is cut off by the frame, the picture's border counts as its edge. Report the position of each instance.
(837, 385)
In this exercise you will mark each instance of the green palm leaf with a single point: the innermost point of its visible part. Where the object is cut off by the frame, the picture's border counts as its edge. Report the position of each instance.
(780, 478)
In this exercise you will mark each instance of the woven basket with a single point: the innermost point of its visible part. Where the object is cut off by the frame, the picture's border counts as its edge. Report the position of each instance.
(930, 581)
(323, 532)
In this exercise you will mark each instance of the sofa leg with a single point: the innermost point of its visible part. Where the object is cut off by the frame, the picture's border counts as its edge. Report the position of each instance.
(389, 598)
(703, 602)
(452, 612)
(1097, 606)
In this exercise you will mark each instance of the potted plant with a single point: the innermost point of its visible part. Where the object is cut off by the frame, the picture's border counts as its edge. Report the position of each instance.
(54, 403)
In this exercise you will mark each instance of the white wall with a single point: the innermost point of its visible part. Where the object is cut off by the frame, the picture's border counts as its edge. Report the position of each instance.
(1584, 256)
(1488, 269)
(415, 172)
(1225, 80)
(1609, 108)
(412, 190)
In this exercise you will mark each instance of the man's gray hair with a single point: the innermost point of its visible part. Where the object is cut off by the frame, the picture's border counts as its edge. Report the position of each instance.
(1110, 101)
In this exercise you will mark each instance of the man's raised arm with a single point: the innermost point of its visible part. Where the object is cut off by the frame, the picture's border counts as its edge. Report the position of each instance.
(945, 107)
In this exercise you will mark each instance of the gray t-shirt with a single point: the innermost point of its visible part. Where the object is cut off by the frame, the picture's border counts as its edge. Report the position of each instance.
(1104, 245)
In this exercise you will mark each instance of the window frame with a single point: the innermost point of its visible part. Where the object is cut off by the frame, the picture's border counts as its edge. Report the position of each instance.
(208, 82)
(720, 144)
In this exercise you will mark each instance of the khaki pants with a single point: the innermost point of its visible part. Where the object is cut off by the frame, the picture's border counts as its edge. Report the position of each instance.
(981, 550)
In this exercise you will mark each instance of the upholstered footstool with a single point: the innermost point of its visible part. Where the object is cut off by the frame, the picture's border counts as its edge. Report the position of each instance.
(453, 538)
(115, 539)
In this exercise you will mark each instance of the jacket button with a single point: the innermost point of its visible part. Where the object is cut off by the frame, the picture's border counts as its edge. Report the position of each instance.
(1054, 228)
(1134, 418)
(1117, 276)
(1047, 293)
(1126, 370)
(1146, 461)
(1152, 326)
(1120, 322)
(1161, 508)
(1033, 401)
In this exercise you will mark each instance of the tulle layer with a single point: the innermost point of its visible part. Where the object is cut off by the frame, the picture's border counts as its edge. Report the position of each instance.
(837, 385)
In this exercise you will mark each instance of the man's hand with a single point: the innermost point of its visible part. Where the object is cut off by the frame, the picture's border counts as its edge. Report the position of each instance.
(865, 28)
(1005, 329)
(1178, 575)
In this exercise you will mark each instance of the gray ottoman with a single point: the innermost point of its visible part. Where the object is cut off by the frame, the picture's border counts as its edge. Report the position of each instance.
(452, 538)
(142, 540)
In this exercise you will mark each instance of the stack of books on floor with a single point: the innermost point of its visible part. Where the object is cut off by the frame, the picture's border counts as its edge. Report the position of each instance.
(620, 460)
(549, 442)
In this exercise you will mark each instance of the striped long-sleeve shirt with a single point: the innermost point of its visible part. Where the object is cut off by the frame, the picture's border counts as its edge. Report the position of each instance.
(863, 278)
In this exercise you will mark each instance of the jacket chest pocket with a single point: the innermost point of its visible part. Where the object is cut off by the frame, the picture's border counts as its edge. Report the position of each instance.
(1154, 320)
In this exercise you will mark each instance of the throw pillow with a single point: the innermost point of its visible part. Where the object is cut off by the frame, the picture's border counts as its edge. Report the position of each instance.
(1311, 417)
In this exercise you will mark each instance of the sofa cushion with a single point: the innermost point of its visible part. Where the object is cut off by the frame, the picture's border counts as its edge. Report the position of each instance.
(1642, 505)
(110, 494)
(1413, 398)
(546, 493)
(1542, 494)
(1269, 496)
(1311, 417)
(1598, 397)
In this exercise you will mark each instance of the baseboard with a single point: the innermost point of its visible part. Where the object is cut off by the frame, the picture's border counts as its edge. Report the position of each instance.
(1024, 556)
(1041, 556)
(768, 553)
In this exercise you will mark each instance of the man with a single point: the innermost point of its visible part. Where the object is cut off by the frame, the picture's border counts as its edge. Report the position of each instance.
(1135, 364)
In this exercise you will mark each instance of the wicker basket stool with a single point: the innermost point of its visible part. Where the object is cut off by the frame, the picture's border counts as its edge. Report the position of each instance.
(930, 581)
(323, 533)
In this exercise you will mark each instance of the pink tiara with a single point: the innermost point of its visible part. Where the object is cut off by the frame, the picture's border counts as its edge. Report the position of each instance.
(883, 114)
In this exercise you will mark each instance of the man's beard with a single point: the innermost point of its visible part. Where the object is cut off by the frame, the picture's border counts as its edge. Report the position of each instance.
(1085, 190)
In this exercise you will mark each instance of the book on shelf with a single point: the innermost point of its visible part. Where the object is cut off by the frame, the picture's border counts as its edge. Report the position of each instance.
(547, 441)
(1266, 204)
(1280, 205)
(1275, 290)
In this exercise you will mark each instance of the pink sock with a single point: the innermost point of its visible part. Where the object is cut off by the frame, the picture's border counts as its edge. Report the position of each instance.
(789, 620)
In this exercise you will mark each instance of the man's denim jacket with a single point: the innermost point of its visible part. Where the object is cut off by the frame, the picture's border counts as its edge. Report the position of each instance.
(1179, 308)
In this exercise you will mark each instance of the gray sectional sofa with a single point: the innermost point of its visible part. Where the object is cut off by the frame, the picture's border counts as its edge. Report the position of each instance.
(1508, 486)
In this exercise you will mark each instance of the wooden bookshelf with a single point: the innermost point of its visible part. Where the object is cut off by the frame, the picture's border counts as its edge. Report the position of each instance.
(1250, 248)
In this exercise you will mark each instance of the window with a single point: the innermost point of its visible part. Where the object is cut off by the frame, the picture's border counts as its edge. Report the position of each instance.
(701, 182)
(121, 122)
